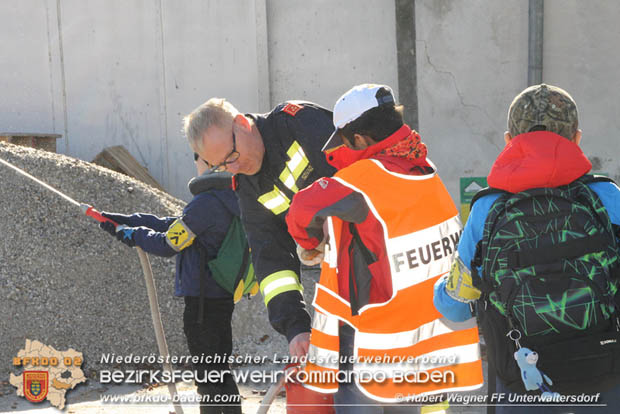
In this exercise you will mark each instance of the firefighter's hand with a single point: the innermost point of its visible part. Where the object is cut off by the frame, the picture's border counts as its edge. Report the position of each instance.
(311, 257)
(298, 347)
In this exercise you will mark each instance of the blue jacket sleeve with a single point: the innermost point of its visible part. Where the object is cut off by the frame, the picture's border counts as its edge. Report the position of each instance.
(153, 242)
(609, 193)
(201, 215)
(448, 307)
(159, 224)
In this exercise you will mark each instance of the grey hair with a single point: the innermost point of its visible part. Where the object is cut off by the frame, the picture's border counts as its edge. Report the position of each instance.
(216, 111)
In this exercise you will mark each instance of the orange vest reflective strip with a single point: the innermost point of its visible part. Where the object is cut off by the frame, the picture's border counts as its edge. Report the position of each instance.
(323, 353)
(324, 348)
(405, 336)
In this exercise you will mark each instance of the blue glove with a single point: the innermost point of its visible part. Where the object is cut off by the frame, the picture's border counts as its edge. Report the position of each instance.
(124, 235)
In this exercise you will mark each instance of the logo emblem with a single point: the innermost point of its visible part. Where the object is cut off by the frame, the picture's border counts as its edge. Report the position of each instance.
(291, 109)
(36, 385)
(179, 236)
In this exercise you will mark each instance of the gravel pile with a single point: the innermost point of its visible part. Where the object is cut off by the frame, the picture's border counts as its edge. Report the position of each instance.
(68, 284)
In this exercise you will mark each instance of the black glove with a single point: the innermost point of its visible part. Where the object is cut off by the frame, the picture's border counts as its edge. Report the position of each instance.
(108, 227)
(117, 218)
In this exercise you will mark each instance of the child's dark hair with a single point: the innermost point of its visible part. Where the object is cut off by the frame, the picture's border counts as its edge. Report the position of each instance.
(378, 123)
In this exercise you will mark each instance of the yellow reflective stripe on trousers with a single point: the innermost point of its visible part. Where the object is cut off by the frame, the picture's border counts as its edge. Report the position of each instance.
(275, 200)
(279, 282)
(294, 166)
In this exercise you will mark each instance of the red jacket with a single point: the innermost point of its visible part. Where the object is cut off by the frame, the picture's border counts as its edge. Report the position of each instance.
(538, 159)
(328, 197)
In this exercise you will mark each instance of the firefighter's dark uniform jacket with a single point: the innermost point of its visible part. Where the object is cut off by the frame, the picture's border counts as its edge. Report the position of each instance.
(293, 134)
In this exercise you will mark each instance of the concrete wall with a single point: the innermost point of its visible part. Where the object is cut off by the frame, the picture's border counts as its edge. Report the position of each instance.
(30, 96)
(581, 46)
(115, 72)
(125, 72)
(472, 60)
(320, 49)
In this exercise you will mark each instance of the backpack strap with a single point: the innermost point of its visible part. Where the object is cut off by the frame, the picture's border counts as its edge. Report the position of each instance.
(595, 178)
(485, 192)
(586, 179)
(478, 281)
(201, 278)
(244, 262)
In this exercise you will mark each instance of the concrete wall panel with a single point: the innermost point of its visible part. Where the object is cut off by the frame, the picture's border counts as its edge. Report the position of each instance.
(26, 79)
(472, 60)
(209, 50)
(319, 49)
(113, 79)
(581, 56)
(126, 72)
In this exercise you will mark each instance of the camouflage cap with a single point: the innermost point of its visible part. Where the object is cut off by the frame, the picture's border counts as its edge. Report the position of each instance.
(543, 107)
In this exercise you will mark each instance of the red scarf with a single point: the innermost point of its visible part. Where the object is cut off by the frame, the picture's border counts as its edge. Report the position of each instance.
(410, 148)
(404, 143)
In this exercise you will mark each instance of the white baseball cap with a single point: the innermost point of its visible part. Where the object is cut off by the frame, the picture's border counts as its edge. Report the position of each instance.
(354, 103)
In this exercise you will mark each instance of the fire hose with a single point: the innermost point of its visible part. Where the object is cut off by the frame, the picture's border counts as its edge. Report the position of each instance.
(148, 278)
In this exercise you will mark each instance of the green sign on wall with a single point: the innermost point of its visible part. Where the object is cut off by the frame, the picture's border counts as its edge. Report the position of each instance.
(469, 187)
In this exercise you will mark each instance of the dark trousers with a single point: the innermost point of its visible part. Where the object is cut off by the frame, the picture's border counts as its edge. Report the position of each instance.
(212, 337)
(349, 399)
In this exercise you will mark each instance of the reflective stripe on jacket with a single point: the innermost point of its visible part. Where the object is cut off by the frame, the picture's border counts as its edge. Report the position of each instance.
(405, 335)
(293, 135)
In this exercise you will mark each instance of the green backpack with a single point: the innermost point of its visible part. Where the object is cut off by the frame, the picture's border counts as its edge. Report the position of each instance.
(550, 277)
(232, 269)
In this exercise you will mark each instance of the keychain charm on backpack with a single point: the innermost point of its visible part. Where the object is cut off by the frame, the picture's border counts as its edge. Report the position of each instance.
(533, 379)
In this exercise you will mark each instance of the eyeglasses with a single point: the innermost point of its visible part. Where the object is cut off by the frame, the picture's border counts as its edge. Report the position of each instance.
(230, 158)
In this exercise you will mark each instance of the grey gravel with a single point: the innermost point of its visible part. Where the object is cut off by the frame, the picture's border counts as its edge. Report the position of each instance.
(68, 284)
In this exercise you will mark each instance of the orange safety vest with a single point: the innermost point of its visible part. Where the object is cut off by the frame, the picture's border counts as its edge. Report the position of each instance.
(403, 347)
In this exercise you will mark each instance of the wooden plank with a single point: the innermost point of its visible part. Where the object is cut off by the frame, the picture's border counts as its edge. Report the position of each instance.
(46, 142)
(118, 159)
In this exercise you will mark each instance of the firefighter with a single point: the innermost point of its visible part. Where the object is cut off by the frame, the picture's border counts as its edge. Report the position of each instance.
(272, 156)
